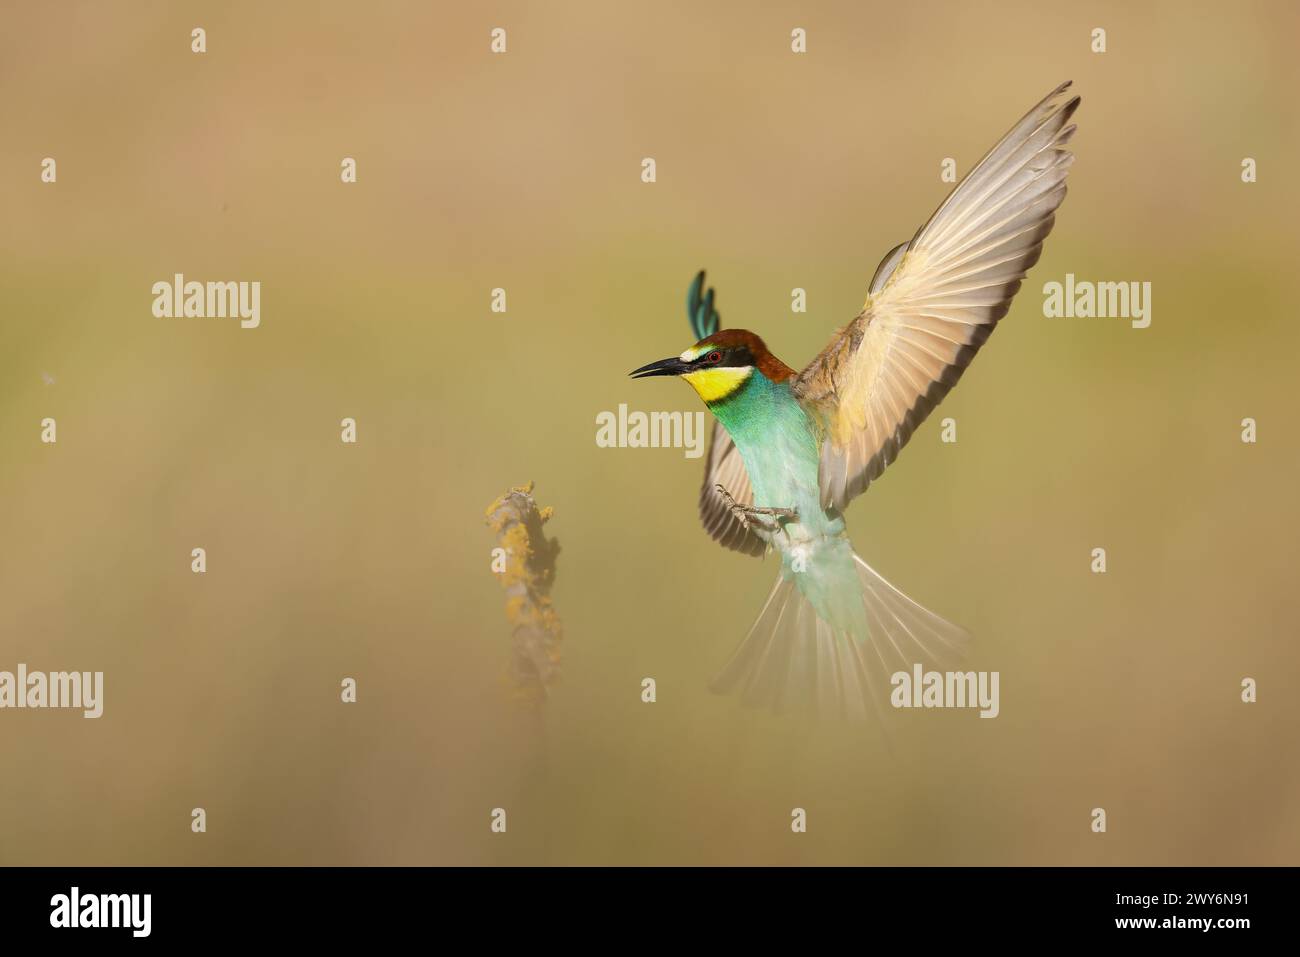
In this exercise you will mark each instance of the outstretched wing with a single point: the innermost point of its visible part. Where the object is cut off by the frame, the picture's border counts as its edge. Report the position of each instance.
(724, 466)
(935, 300)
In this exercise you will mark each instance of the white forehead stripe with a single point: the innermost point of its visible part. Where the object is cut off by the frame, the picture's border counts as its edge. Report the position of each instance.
(694, 352)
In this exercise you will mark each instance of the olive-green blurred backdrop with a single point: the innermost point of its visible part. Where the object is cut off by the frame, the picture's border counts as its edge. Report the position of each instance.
(522, 171)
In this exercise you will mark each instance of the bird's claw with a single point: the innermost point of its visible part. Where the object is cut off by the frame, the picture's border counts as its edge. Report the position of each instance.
(760, 520)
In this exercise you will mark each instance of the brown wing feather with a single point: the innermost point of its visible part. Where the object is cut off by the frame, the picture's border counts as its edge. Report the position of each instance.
(934, 301)
(725, 467)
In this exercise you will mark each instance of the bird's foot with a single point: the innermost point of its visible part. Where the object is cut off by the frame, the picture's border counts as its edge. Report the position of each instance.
(762, 521)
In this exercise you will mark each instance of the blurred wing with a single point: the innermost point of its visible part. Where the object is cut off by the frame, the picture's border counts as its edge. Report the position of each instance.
(934, 300)
(724, 467)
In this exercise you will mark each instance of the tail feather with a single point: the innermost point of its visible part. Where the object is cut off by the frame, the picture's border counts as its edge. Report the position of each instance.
(762, 656)
(933, 638)
(793, 659)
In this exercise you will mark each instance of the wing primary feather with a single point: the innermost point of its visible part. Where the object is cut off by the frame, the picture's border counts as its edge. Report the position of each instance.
(935, 299)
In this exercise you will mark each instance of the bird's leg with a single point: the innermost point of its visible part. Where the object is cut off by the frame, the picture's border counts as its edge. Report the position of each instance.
(762, 521)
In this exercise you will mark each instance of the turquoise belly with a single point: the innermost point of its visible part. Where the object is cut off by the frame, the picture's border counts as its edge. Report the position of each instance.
(780, 447)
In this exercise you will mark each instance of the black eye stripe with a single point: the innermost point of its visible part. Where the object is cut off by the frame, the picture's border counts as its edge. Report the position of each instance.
(735, 357)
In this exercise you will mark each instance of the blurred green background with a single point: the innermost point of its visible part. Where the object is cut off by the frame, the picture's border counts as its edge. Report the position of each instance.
(522, 171)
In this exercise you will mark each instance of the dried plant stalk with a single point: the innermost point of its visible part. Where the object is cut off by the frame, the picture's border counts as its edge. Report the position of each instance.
(527, 577)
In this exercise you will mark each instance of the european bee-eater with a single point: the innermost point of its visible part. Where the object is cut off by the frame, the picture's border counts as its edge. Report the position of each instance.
(790, 449)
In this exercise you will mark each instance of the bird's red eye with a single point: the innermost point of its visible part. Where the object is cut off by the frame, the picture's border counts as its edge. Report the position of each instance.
(714, 358)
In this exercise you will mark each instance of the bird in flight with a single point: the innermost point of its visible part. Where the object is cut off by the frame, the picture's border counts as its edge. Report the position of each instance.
(790, 450)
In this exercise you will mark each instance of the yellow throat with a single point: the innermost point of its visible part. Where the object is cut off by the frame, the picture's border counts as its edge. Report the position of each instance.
(713, 385)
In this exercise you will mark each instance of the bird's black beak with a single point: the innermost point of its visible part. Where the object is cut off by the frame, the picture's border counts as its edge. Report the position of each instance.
(673, 366)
